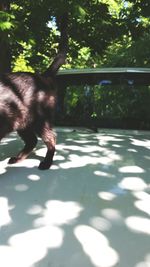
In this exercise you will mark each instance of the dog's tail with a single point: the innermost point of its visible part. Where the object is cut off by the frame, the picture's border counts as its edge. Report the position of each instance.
(60, 58)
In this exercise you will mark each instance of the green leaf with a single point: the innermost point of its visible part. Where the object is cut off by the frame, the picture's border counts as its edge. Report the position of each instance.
(5, 25)
(79, 12)
(6, 21)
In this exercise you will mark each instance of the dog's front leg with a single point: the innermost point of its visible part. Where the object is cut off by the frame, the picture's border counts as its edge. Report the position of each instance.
(30, 141)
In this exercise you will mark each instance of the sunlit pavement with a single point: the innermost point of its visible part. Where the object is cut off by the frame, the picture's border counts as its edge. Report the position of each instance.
(92, 208)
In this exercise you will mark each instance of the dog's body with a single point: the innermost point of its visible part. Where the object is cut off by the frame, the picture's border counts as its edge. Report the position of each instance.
(27, 104)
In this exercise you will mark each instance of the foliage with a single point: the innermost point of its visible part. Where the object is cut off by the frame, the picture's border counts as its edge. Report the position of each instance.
(96, 30)
(7, 21)
(110, 33)
(22, 64)
(90, 21)
(108, 102)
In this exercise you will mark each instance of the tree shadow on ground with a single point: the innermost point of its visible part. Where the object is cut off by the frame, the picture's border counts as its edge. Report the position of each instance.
(90, 209)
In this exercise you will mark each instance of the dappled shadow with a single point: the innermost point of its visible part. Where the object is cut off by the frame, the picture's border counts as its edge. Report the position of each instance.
(90, 209)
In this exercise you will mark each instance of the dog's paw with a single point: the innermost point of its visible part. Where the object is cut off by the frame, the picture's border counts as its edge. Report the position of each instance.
(44, 165)
(13, 160)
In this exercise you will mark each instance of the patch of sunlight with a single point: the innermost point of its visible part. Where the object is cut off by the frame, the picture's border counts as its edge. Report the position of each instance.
(100, 223)
(3, 165)
(59, 157)
(96, 246)
(29, 163)
(138, 224)
(145, 263)
(81, 161)
(94, 154)
(104, 140)
(81, 141)
(54, 167)
(112, 215)
(44, 237)
(131, 169)
(21, 187)
(143, 205)
(58, 213)
(35, 210)
(142, 195)
(33, 177)
(83, 149)
(27, 248)
(40, 152)
(105, 160)
(11, 257)
(116, 146)
(4, 212)
(6, 140)
(145, 143)
(111, 138)
(104, 174)
(132, 150)
(112, 155)
(107, 196)
(133, 183)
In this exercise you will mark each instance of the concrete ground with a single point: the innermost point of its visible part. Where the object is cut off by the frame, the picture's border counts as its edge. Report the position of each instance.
(91, 209)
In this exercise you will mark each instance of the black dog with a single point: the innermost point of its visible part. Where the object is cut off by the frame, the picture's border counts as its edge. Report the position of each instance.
(27, 104)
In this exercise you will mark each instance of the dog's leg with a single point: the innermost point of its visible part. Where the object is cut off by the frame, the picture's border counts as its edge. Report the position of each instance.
(30, 141)
(49, 138)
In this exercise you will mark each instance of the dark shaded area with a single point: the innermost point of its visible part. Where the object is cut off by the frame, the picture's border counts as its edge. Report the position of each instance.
(110, 98)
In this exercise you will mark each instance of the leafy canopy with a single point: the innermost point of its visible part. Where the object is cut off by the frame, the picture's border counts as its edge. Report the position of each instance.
(101, 32)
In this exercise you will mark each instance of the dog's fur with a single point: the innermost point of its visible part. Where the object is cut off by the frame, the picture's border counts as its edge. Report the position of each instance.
(27, 103)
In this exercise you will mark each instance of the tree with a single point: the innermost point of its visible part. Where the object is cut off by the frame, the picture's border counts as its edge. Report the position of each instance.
(5, 25)
(91, 26)
(131, 48)
(96, 29)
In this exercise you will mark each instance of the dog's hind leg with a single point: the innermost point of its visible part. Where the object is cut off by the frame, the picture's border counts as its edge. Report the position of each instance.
(30, 140)
(49, 138)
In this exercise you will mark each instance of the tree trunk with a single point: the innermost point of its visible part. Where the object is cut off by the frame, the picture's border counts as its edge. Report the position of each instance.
(5, 54)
